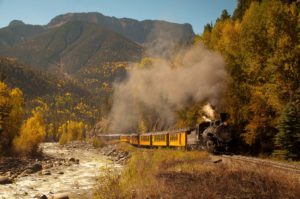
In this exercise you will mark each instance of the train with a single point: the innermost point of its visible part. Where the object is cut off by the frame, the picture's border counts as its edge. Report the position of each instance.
(214, 136)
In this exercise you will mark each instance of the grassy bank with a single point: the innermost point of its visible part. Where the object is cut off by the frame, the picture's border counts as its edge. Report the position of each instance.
(166, 173)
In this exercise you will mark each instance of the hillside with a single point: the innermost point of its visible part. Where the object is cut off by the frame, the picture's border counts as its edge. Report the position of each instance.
(35, 83)
(142, 32)
(17, 32)
(73, 45)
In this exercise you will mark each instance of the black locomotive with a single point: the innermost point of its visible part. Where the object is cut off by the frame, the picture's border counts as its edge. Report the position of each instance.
(215, 136)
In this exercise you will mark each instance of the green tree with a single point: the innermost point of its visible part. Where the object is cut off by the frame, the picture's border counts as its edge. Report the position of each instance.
(208, 27)
(241, 8)
(288, 138)
(224, 16)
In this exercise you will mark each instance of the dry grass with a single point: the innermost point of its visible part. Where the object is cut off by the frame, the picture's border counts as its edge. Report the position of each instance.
(98, 143)
(165, 173)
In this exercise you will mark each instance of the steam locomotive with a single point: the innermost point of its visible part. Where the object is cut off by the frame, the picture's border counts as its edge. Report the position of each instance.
(214, 136)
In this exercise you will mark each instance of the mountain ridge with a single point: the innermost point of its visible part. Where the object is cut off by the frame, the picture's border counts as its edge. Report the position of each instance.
(74, 45)
(138, 31)
(72, 41)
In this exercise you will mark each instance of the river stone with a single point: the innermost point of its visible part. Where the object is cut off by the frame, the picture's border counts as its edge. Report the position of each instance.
(48, 166)
(43, 197)
(8, 174)
(35, 167)
(40, 196)
(46, 173)
(5, 180)
(217, 161)
(61, 196)
(23, 175)
(29, 171)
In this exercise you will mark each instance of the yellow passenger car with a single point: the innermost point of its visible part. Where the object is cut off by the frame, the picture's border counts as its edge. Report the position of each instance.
(145, 139)
(134, 139)
(178, 139)
(125, 138)
(160, 139)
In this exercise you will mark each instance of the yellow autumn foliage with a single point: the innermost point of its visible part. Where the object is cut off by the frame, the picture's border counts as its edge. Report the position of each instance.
(11, 114)
(31, 135)
(71, 131)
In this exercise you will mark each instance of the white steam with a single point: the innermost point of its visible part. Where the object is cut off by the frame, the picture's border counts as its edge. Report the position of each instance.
(198, 75)
(209, 111)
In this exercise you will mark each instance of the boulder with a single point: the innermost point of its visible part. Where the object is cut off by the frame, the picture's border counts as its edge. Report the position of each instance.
(40, 196)
(35, 167)
(5, 180)
(43, 197)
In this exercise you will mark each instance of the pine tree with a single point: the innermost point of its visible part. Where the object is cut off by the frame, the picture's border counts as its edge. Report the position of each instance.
(288, 137)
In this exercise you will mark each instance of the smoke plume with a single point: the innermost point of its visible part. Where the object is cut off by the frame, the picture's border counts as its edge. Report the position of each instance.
(198, 75)
(209, 111)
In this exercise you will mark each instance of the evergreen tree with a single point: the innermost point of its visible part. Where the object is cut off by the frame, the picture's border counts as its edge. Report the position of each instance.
(288, 138)
(224, 16)
(241, 8)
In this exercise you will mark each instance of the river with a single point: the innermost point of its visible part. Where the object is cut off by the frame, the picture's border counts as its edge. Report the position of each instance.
(77, 180)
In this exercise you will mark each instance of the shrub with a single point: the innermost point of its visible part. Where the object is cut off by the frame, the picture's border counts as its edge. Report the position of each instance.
(71, 131)
(98, 143)
(31, 135)
(108, 185)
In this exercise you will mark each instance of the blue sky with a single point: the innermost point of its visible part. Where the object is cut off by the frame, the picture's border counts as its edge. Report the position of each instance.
(195, 12)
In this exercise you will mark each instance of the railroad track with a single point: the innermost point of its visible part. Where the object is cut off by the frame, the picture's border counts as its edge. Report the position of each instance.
(266, 163)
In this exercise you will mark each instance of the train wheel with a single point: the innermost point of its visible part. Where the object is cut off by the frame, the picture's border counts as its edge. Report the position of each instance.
(210, 146)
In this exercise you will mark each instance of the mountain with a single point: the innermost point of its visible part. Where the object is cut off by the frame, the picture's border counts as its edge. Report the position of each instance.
(72, 46)
(74, 41)
(142, 32)
(17, 32)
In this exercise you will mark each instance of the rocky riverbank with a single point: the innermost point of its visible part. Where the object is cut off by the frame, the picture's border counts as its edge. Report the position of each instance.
(70, 171)
(17, 167)
(115, 154)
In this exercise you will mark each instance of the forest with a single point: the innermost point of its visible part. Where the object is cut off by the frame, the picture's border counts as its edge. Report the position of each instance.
(261, 48)
(260, 43)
